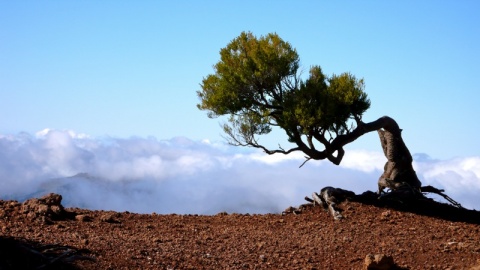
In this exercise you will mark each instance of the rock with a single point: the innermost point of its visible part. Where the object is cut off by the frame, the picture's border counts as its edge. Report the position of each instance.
(52, 199)
(476, 266)
(47, 208)
(378, 262)
(109, 218)
(83, 218)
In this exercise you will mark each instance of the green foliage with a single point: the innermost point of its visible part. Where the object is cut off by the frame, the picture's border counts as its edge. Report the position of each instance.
(249, 70)
(257, 83)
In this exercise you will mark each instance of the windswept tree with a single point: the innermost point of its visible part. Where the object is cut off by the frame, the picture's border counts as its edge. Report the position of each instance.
(257, 83)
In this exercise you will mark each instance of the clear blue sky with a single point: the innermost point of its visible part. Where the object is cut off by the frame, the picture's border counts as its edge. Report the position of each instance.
(132, 68)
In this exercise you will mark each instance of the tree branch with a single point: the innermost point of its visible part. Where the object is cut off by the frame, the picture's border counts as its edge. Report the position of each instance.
(306, 159)
(331, 147)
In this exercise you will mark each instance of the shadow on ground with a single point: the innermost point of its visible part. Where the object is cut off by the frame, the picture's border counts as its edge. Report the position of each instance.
(17, 253)
(423, 206)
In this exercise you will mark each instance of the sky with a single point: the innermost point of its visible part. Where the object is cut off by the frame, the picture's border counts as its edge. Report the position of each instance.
(102, 77)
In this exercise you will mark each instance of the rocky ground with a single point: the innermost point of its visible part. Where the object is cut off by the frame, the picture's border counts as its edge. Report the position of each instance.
(40, 234)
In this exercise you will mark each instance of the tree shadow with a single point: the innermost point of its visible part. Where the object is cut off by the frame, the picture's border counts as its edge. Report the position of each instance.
(421, 206)
(19, 253)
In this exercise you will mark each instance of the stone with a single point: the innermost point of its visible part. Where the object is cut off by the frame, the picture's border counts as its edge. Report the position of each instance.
(109, 218)
(47, 207)
(378, 262)
(83, 218)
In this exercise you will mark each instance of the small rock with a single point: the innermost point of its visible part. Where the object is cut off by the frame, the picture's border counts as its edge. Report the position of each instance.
(109, 218)
(14, 204)
(386, 214)
(52, 199)
(83, 218)
(378, 262)
(476, 267)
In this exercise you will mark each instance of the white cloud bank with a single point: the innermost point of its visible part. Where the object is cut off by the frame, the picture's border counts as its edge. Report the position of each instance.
(183, 176)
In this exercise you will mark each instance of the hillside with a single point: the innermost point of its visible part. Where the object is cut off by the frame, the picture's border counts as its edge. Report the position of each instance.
(40, 234)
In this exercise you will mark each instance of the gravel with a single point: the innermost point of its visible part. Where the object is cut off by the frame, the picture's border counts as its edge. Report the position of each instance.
(433, 236)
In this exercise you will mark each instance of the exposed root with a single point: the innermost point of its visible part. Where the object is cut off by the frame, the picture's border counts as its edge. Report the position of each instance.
(430, 189)
(330, 197)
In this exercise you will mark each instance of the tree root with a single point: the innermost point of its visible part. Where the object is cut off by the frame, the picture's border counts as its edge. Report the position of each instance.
(330, 197)
(431, 189)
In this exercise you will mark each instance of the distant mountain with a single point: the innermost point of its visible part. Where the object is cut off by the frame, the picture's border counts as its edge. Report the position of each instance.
(421, 157)
(66, 186)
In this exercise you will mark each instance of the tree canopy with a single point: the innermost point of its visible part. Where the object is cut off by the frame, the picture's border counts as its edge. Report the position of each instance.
(258, 83)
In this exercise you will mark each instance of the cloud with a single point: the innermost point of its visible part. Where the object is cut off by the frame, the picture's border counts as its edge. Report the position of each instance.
(182, 176)
(460, 177)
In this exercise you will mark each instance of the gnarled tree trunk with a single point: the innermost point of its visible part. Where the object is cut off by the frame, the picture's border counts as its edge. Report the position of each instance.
(398, 175)
(398, 170)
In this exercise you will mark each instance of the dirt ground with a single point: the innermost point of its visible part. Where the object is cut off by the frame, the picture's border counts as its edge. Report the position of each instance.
(429, 236)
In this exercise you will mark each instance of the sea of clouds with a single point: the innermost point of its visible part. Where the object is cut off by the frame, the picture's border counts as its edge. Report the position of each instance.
(147, 175)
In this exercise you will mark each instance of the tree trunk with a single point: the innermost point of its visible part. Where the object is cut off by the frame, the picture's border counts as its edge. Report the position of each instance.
(398, 171)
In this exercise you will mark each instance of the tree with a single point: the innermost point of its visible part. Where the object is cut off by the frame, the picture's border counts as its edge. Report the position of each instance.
(258, 84)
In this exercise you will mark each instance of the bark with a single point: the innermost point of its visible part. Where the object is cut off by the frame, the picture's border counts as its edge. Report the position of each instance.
(398, 170)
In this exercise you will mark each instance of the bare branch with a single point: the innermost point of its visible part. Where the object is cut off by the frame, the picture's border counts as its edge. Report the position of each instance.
(310, 142)
(321, 138)
(249, 140)
(330, 135)
(306, 160)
